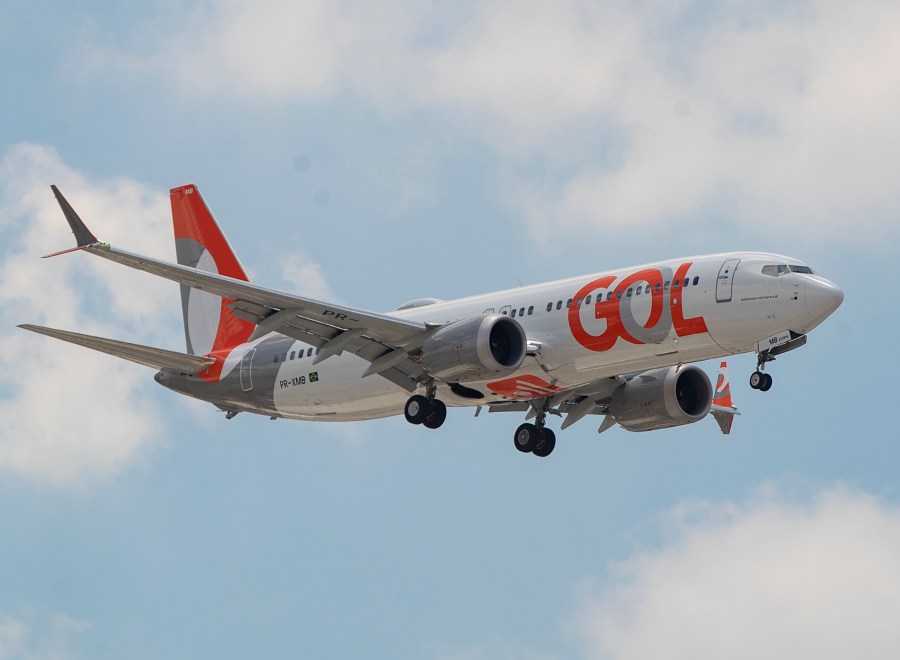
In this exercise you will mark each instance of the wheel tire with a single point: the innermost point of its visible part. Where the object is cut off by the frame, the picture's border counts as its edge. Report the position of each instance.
(766, 383)
(436, 416)
(525, 437)
(417, 409)
(545, 445)
(756, 379)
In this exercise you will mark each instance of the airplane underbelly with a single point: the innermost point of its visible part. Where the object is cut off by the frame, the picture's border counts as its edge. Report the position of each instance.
(335, 389)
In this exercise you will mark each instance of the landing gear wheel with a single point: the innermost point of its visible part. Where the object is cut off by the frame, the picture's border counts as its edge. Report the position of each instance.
(545, 444)
(416, 409)
(526, 437)
(436, 415)
(766, 383)
(756, 379)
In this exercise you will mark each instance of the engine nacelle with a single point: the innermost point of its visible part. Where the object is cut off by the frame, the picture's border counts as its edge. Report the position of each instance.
(662, 398)
(478, 348)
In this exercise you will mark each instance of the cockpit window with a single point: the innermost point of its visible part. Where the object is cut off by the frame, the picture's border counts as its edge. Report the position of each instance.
(806, 270)
(783, 269)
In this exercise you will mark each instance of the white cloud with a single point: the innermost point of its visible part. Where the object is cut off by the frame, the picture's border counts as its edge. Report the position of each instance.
(766, 579)
(12, 636)
(71, 414)
(634, 114)
(46, 640)
(305, 278)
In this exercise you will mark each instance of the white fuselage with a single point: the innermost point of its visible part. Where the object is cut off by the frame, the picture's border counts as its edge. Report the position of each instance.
(580, 330)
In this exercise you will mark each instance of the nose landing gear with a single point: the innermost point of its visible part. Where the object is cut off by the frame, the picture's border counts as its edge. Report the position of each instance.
(759, 379)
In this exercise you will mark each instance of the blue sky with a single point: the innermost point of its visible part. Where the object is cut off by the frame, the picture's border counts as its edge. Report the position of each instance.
(375, 153)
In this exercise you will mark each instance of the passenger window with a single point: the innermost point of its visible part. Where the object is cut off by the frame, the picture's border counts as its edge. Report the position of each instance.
(638, 290)
(578, 302)
(292, 354)
(309, 352)
(675, 284)
(276, 359)
(549, 306)
(696, 280)
(530, 310)
(521, 311)
(512, 314)
(667, 285)
(587, 301)
(317, 350)
(656, 287)
(569, 303)
(618, 294)
(628, 293)
(687, 281)
(609, 295)
(505, 310)
(284, 357)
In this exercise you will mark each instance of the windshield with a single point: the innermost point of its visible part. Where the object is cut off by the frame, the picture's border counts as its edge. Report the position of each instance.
(776, 270)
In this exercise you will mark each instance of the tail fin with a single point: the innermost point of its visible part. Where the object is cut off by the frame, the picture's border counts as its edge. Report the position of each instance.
(722, 406)
(209, 323)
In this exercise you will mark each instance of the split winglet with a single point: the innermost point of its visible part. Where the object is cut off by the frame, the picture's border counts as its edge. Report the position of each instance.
(83, 236)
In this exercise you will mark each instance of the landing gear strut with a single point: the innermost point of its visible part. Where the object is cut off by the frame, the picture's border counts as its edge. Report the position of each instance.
(535, 438)
(759, 379)
(425, 410)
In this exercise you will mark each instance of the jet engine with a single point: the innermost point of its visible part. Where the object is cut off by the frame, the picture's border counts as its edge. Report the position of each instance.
(662, 398)
(478, 348)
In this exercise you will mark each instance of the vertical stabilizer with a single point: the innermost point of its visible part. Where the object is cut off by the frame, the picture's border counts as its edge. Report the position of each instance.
(723, 409)
(209, 324)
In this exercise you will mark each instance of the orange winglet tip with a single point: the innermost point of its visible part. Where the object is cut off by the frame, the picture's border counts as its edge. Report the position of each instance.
(56, 254)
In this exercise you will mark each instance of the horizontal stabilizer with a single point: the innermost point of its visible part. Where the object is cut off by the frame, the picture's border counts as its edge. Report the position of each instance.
(724, 417)
(158, 358)
(722, 409)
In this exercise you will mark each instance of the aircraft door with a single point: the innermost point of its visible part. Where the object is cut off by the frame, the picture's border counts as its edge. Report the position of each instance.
(725, 281)
(246, 364)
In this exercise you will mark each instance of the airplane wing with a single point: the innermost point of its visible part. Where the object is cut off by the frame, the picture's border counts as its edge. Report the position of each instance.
(383, 340)
(575, 403)
(158, 358)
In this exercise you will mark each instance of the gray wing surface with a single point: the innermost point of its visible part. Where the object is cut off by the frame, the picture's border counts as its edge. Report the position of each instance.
(158, 358)
(312, 321)
(382, 340)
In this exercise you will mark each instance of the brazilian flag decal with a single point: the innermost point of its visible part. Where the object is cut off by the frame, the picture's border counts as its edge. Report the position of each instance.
(313, 376)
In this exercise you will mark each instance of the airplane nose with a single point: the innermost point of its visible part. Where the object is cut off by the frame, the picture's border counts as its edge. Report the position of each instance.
(822, 298)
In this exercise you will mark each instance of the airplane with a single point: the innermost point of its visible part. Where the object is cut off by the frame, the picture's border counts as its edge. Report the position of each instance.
(619, 343)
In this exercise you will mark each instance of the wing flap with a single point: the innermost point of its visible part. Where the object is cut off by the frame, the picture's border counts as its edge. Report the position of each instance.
(158, 358)
(392, 330)
(305, 319)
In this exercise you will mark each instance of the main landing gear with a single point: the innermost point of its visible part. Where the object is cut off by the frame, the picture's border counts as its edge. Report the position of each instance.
(425, 410)
(535, 438)
(759, 379)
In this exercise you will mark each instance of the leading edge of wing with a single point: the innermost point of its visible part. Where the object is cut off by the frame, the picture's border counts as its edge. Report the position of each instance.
(391, 330)
(158, 358)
